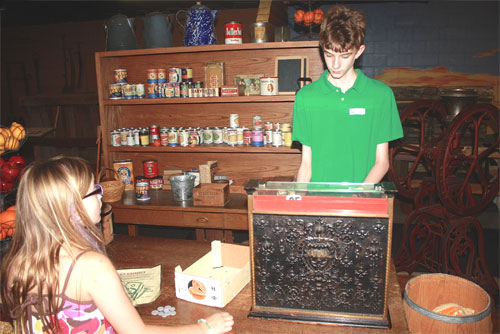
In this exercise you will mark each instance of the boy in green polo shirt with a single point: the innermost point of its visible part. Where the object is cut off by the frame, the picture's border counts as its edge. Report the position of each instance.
(344, 120)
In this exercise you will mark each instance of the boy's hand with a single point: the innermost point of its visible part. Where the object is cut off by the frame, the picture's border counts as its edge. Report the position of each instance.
(219, 323)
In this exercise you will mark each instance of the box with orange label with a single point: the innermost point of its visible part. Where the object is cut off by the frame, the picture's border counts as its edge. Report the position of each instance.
(217, 277)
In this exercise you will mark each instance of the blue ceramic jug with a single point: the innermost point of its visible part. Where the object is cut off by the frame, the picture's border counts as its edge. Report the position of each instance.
(199, 28)
(120, 33)
(157, 31)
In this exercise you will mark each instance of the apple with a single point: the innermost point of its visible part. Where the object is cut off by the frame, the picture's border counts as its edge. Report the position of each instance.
(2, 161)
(6, 185)
(18, 160)
(9, 173)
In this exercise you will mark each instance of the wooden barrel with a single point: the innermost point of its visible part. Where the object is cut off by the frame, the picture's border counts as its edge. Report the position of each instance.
(425, 292)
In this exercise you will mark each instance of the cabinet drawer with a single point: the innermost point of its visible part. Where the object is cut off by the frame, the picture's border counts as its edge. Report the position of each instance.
(235, 221)
(202, 219)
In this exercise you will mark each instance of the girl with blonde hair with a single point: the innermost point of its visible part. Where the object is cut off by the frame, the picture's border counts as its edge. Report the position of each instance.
(56, 277)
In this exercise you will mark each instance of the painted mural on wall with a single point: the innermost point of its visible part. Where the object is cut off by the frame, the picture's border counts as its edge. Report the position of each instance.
(435, 43)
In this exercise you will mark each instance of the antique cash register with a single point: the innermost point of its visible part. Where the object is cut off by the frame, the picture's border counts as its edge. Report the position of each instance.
(320, 252)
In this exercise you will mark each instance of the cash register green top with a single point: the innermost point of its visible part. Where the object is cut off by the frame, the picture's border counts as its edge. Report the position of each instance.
(333, 189)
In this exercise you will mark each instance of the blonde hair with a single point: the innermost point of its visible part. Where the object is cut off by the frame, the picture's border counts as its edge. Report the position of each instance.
(49, 213)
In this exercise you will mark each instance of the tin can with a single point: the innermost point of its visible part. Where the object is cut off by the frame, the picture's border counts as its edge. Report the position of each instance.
(128, 91)
(150, 168)
(193, 139)
(174, 74)
(268, 136)
(198, 84)
(130, 138)
(239, 136)
(139, 91)
(172, 138)
(115, 91)
(232, 137)
(287, 138)
(187, 74)
(285, 127)
(152, 75)
(257, 138)
(169, 90)
(208, 137)
(164, 137)
(269, 86)
(144, 137)
(152, 93)
(184, 89)
(277, 139)
(276, 126)
(234, 120)
(162, 75)
(257, 122)
(142, 191)
(140, 178)
(125, 169)
(154, 135)
(268, 126)
(177, 89)
(137, 135)
(115, 138)
(247, 136)
(183, 138)
(233, 33)
(156, 182)
(217, 135)
(121, 76)
(123, 136)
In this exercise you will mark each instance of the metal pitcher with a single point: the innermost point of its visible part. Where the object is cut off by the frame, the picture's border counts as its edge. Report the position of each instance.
(157, 31)
(199, 28)
(120, 33)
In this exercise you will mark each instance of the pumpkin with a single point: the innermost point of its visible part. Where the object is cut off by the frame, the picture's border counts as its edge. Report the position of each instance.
(8, 222)
(308, 18)
(318, 16)
(299, 15)
(17, 131)
(12, 144)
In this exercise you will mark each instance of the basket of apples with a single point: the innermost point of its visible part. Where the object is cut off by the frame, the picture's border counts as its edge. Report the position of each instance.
(11, 171)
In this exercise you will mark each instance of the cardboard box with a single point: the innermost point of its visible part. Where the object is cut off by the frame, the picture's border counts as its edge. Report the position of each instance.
(207, 171)
(211, 194)
(168, 173)
(214, 74)
(217, 277)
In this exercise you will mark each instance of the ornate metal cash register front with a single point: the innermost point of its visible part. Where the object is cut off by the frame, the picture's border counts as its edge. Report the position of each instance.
(320, 252)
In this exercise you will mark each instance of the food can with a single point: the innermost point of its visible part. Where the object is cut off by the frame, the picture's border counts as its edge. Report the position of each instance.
(193, 139)
(268, 136)
(217, 135)
(156, 182)
(154, 135)
(268, 126)
(198, 84)
(172, 138)
(162, 75)
(269, 86)
(174, 74)
(233, 33)
(239, 136)
(247, 136)
(137, 135)
(150, 168)
(232, 137)
(140, 178)
(123, 136)
(257, 122)
(130, 138)
(187, 74)
(115, 138)
(287, 138)
(257, 138)
(277, 139)
(184, 89)
(128, 91)
(208, 136)
(144, 137)
(285, 127)
(121, 76)
(115, 91)
(139, 91)
(164, 137)
(234, 120)
(183, 138)
(142, 191)
(152, 93)
(152, 75)
(125, 169)
(169, 90)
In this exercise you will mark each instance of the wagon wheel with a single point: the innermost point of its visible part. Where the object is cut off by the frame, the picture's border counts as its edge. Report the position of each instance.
(468, 160)
(411, 158)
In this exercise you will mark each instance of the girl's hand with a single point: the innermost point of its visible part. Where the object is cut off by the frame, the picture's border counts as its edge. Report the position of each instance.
(219, 322)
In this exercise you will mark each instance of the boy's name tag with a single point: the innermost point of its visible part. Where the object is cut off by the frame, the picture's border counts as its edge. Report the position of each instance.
(356, 111)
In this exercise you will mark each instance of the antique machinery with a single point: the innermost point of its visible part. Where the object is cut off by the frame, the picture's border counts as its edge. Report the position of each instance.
(447, 164)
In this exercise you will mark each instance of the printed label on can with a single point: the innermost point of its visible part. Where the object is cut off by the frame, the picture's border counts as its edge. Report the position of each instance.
(156, 182)
(233, 33)
(234, 120)
(142, 191)
(268, 86)
(121, 76)
(150, 168)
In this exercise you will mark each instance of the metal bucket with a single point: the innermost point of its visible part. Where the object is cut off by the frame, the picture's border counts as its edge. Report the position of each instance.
(182, 187)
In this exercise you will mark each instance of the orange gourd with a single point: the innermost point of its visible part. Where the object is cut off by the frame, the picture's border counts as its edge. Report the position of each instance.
(299, 16)
(8, 223)
(318, 16)
(308, 18)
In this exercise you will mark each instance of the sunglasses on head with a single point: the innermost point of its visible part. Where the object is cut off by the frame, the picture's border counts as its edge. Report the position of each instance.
(97, 191)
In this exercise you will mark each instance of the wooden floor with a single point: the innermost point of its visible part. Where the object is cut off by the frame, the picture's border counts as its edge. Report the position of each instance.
(404, 277)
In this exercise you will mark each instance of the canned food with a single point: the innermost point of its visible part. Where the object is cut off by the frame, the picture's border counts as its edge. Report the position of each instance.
(152, 90)
(130, 138)
(142, 191)
(150, 168)
(232, 137)
(247, 136)
(257, 122)
(277, 139)
(139, 91)
(183, 138)
(164, 137)
(152, 75)
(184, 89)
(217, 136)
(268, 136)
(198, 84)
(239, 136)
(144, 137)
(187, 74)
(115, 138)
(140, 178)
(268, 125)
(123, 136)
(115, 91)
(174, 74)
(268, 86)
(208, 137)
(285, 127)
(193, 139)
(234, 120)
(137, 139)
(162, 75)
(156, 182)
(233, 33)
(169, 90)
(121, 76)
(287, 138)
(154, 135)
(172, 138)
(257, 138)
(128, 91)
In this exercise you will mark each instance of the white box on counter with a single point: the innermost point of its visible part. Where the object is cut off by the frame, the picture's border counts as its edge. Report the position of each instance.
(217, 277)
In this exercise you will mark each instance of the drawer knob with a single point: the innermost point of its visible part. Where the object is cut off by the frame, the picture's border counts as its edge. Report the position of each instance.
(202, 220)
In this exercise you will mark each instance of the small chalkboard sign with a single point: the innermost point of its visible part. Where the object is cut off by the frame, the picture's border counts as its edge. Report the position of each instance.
(289, 69)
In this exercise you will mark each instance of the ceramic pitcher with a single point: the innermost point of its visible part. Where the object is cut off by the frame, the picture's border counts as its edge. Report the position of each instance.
(157, 31)
(199, 28)
(120, 33)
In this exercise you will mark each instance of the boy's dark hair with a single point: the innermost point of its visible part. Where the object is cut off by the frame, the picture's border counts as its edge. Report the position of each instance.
(342, 29)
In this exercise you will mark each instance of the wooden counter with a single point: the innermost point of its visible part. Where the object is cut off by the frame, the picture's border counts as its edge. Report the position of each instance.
(134, 252)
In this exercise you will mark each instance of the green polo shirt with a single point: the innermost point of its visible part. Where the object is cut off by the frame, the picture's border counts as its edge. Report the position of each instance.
(344, 129)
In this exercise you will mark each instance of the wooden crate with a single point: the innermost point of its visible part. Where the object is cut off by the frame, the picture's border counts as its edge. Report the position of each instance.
(211, 194)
